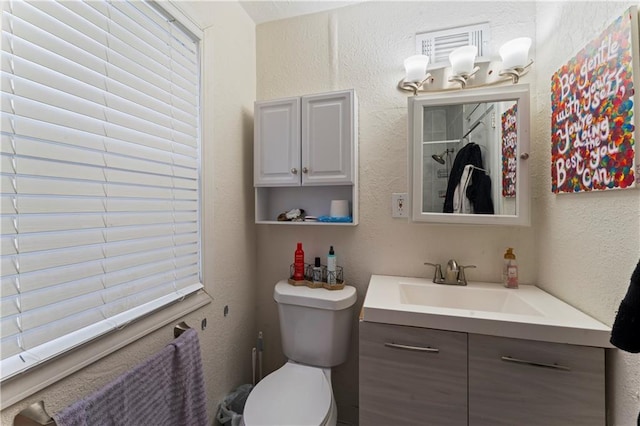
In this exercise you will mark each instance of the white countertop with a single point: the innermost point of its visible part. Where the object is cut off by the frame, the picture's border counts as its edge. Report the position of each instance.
(552, 321)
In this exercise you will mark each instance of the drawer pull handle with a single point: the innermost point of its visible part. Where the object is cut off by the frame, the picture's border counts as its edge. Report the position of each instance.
(411, 348)
(536, 364)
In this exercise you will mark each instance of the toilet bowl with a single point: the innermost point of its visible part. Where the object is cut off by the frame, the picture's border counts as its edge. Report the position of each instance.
(315, 326)
(295, 395)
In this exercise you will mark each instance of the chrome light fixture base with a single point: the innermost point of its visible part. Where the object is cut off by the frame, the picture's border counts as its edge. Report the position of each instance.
(415, 87)
(463, 78)
(516, 72)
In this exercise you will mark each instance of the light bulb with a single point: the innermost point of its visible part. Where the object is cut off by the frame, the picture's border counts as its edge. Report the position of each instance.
(462, 59)
(515, 53)
(416, 68)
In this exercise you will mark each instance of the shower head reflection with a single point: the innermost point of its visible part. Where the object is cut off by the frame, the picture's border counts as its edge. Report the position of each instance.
(440, 158)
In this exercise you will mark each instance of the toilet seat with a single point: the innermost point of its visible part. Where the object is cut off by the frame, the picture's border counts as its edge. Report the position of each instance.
(295, 394)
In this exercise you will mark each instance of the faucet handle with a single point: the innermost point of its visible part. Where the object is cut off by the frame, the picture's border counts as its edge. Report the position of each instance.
(461, 277)
(437, 273)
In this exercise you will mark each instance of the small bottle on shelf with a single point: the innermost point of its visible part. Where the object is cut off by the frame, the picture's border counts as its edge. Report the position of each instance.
(298, 263)
(317, 271)
(331, 266)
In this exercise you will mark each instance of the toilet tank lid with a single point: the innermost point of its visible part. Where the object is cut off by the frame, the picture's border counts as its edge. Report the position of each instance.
(319, 298)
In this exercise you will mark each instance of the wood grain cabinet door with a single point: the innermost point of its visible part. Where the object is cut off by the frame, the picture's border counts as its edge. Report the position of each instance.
(412, 376)
(523, 382)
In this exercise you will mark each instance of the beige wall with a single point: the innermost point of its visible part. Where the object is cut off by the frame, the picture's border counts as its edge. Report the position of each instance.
(581, 247)
(586, 244)
(229, 233)
(363, 47)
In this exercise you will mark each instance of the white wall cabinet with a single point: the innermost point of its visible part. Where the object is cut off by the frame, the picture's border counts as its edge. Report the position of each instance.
(276, 148)
(305, 154)
(476, 380)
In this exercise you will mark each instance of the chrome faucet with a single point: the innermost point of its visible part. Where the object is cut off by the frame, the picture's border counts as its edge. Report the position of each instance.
(454, 273)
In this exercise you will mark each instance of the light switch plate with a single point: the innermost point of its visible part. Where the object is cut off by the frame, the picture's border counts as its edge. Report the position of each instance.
(399, 204)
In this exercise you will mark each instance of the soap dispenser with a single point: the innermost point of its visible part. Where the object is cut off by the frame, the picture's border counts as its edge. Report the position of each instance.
(510, 269)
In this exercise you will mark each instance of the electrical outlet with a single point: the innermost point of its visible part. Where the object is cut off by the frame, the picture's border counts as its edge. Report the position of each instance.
(399, 204)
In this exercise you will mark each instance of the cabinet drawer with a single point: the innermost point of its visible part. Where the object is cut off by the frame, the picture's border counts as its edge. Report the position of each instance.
(412, 376)
(513, 381)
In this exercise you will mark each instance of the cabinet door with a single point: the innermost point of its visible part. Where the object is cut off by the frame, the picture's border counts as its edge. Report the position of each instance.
(276, 142)
(523, 382)
(328, 138)
(412, 376)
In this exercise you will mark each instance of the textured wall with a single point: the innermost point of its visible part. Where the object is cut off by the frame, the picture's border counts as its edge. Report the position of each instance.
(582, 248)
(363, 47)
(229, 234)
(586, 244)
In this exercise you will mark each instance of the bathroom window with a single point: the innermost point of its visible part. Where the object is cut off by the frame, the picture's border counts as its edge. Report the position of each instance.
(100, 151)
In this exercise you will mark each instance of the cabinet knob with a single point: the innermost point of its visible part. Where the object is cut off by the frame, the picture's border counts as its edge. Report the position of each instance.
(305, 170)
(524, 156)
(294, 171)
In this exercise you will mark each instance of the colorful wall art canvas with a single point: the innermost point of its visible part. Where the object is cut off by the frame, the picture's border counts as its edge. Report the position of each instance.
(592, 113)
(509, 147)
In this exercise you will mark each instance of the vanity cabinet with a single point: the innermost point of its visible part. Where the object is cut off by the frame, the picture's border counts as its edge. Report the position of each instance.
(476, 379)
(517, 382)
(412, 376)
(305, 154)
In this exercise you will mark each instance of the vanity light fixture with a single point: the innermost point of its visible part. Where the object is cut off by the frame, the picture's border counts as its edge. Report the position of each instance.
(515, 54)
(515, 64)
(415, 73)
(462, 62)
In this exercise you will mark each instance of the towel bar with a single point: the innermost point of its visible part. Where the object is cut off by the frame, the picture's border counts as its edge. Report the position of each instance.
(180, 328)
(33, 415)
(36, 414)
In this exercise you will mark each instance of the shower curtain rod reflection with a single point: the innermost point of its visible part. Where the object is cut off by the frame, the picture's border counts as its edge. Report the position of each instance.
(477, 123)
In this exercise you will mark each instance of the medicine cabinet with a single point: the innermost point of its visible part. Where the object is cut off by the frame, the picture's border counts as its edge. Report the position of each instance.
(468, 156)
(305, 155)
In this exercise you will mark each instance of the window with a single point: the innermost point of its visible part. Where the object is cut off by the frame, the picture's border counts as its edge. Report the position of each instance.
(100, 169)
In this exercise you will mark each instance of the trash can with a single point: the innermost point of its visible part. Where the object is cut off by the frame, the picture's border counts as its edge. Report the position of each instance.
(232, 406)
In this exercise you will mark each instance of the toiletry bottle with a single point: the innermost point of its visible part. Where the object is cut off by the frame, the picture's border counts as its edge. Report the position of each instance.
(331, 266)
(298, 264)
(510, 269)
(317, 271)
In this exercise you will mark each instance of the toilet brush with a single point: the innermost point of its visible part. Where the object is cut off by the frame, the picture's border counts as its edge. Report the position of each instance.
(260, 343)
(253, 365)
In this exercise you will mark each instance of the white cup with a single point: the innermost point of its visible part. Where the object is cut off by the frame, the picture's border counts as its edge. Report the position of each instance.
(339, 208)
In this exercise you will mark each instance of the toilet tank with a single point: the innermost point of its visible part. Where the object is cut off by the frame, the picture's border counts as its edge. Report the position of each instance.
(315, 323)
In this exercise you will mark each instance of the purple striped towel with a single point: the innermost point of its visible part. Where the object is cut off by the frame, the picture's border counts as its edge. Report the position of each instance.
(167, 389)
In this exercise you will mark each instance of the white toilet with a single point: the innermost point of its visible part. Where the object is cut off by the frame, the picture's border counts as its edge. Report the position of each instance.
(315, 325)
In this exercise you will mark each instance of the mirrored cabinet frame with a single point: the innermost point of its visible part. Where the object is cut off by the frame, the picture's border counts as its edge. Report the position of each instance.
(451, 100)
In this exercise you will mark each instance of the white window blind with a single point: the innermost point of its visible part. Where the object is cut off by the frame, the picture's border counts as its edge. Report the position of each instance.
(100, 166)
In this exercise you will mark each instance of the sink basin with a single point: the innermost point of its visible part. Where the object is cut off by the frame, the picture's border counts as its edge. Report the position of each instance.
(472, 299)
(482, 308)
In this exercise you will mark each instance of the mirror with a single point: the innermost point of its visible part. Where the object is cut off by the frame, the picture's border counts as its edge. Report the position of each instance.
(468, 156)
